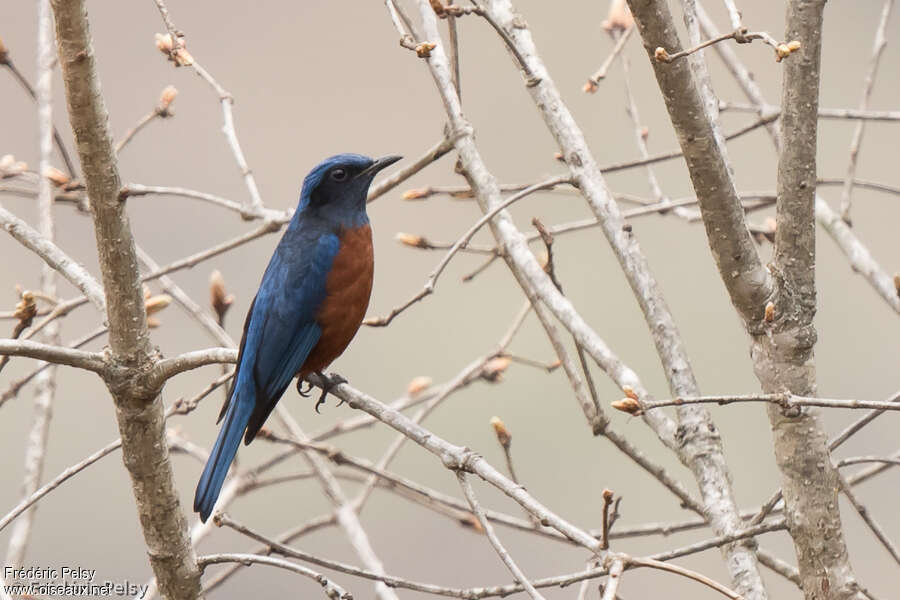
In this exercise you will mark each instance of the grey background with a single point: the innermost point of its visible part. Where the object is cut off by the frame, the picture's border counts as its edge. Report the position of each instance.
(314, 78)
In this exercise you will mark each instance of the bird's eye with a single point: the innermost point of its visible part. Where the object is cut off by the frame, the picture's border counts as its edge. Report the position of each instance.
(339, 174)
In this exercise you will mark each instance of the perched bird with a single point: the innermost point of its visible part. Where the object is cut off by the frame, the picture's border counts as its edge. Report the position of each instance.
(311, 302)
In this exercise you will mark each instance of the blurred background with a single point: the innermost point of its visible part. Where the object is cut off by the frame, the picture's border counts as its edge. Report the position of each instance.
(314, 78)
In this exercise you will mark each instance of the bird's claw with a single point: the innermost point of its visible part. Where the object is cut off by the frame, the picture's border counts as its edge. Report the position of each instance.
(300, 389)
(330, 381)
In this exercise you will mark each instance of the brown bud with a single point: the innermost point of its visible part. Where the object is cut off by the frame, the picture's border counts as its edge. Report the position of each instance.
(645, 133)
(782, 51)
(10, 167)
(472, 521)
(164, 43)
(26, 309)
(413, 240)
(424, 49)
(661, 55)
(607, 496)
(154, 304)
(559, 156)
(590, 87)
(218, 299)
(183, 58)
(418, 385)
(494, 368)
(57, 177)
(438, 8)
(619, 16)
(4, 53)
(177, 54)
(503, 434)
(629, 391)
(417, 193)
(629, 405)
(770, 312)
(166, 98)
(897, 283)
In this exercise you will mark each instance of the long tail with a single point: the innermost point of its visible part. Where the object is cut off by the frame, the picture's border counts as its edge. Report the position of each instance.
(236, 417)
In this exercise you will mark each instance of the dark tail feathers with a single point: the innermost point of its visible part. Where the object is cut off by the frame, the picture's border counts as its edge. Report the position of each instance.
(210, 484)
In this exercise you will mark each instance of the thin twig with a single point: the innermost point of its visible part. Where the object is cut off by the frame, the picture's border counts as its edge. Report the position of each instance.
(255, 204)
(593, 80)
(786, 401)
(492, 537)
(388, 183)
(878, 45)
(871, 523)
(428, 288)
(824, 113)
(45, 391)
(741, 36)
(56, 481)
(611, 587)
(331, 589)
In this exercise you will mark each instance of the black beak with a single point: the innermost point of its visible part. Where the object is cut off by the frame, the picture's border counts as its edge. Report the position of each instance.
(378, 165)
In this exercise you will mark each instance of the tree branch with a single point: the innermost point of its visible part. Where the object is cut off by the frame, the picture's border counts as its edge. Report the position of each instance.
(495, 541)
(139, 412)
(700, 447)
(749, 284)
(331, 589)
(92, 361)
(53, 256)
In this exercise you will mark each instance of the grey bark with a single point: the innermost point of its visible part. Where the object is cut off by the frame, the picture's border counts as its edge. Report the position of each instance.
(699, 446)
(784, 356)
(138, 407)
(782, 350)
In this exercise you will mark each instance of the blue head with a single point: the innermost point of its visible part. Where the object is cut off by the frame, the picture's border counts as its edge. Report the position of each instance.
(336, 189)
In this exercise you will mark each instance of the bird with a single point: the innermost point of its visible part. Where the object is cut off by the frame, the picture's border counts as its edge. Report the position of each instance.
(311, 302)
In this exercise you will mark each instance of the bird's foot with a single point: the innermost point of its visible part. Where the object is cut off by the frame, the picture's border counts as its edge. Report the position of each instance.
(305, 393)
(330, 381)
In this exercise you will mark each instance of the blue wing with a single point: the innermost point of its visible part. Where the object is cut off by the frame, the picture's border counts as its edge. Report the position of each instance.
(282, 328)
(279, 333)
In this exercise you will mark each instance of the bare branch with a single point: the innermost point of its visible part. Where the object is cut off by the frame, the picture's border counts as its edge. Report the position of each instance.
(741, 35)
(868, 519)
(45, 391)
(428, 289)
(785, 400)
(856, 252)
(747, 281)
(162, 110)
(346, 516)
(612, 581)
(92, 361)
(331, 589)
(139, 413)
(456, 457)
(700, 447)
(55, 482)
(56, 258)
(495, 541)
(878, 45)
(169, 367)
(395, 179)
(594, 80)
(653, 564)
(824, 113)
